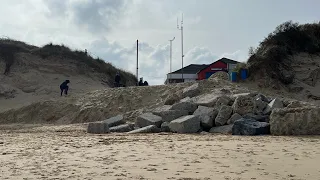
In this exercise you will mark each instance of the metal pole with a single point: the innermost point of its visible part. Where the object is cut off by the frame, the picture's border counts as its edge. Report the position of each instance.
(171, 54)
(137, 60)
(181, 28)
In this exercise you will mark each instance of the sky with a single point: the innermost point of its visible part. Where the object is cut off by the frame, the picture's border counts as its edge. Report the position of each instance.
(108, 29)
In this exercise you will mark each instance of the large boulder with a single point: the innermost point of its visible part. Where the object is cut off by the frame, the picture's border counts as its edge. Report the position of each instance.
(262, 98)
(207, 116)
(295, 121)
(191, 91)
(186, 99)
(233, 118)
(98, 128)
(250, 127)
(169, 115)
(258, 117)
(259, 106)
(227, 129)
(276, 103)
(115, 121)
(171, 99)
(148, 119)
(186, 124)
(223, 100)
(223, 115)
(147, 129)
(208, 100)
(243, 104)
(122, 128)
(187, 106)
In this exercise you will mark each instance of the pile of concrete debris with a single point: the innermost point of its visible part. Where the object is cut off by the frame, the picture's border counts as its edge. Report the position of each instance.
(221, 112)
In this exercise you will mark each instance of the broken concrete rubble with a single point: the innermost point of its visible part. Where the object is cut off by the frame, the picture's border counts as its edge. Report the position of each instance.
(295, 121)
(207, 116)
(169, 115)
(276, 103)
(147, 129)
(98, 128)
(185, 106)
(233, 118)
(243, 105)
(223, 115)
(227, 129)
(185, 124)
(115, 121)
(148, 119)
(122, 128)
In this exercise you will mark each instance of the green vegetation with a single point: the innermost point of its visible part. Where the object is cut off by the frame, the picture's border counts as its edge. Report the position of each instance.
(9, 47)
(272, 56)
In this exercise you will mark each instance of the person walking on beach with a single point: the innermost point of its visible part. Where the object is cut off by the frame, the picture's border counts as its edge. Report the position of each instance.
(64, 87)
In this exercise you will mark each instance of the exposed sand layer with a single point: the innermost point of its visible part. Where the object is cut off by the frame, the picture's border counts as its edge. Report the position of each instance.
(77, 155)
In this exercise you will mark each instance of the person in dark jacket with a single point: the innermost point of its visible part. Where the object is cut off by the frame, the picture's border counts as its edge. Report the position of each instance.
(141, 82)
(64, 87)
(117, 80)
(145, 83)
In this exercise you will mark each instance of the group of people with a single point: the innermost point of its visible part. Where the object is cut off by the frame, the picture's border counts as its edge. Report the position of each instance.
(64, 86)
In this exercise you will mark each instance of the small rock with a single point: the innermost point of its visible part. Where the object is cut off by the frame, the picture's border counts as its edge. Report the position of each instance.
(165, 127)
(1, 142)
(148, 119)
(223, 115)
(115, 121)
(98, 128)
(276, 103)
(122, 128)
(227, 129)
(187, 106)
(191, 91)
(147, 129)
(186, 124)
(250, 127)
(233, 118)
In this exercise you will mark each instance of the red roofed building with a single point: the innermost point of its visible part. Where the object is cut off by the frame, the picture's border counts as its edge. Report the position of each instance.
(195, 72)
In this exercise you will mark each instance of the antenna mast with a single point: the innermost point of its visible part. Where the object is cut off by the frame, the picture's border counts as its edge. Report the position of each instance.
(181, 28)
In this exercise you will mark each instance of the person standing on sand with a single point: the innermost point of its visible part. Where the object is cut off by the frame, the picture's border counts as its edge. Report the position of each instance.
(117, 79)
(64, 87)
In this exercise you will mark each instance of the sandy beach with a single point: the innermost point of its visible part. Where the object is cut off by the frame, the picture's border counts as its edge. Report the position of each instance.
(77, 155)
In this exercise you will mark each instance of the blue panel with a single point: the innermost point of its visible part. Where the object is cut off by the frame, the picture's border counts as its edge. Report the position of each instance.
(208, 74)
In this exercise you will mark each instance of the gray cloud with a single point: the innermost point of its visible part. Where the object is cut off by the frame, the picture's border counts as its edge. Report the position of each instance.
(96, 16)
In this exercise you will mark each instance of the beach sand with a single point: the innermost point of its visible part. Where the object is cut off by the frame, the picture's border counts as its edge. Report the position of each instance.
(77, 155)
